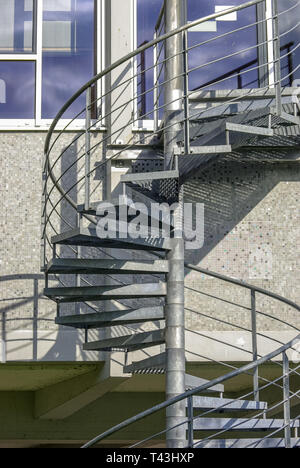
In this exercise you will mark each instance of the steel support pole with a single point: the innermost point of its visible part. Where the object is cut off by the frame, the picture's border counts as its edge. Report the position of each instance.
(175, 343)
(88, 119)
(276, 33)
(254, 345)
(174, 87)
(262, 45)
(286, 398)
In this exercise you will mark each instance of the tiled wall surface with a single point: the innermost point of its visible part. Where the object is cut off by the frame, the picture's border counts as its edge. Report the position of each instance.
(251, 233)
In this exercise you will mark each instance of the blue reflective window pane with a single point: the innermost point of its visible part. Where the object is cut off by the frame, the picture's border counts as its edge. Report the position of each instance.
(68, 53)
(17, 90)
(147, 15)
(16, 34)
(239, 48)
(290, 34)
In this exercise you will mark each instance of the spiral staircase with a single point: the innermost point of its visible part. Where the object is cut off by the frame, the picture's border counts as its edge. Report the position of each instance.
(263, 121)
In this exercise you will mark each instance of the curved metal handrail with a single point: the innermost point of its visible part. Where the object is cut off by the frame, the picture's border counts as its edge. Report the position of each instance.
(194, 391)
(243, 284)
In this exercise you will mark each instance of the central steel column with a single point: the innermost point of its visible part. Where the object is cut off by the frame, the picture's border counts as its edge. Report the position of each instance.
(174, 83)
(175, 343)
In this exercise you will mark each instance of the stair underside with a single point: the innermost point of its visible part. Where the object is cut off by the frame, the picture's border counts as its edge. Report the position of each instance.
(99, 266)
(88, 237)
(129, 342)
(157, 365)
(113, 318)
(104, 293)
(245, 443)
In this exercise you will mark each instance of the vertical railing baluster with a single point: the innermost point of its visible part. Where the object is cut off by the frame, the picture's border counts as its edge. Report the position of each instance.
(155, 87)
(286, 399)
(276, 44)
(78, 255)
(186, 93)
(87, 146)
(254, 345)
(190, 415)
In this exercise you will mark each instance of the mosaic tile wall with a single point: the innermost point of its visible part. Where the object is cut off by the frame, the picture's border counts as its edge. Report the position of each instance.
(251, 233)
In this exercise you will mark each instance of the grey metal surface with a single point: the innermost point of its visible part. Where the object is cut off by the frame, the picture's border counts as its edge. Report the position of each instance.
(103, 293)
(129, 342)
(151, 365)
(88, 237)
(175, 343)
(100, 266)
(160, 175)
(226, 404)
(240, 424)
(245, 443)
(207, 149)
(191, 382)
(112, 318)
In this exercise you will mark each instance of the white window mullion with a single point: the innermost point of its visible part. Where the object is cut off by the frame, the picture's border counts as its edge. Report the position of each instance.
(38, 73)
(100, 52)
(270, 43)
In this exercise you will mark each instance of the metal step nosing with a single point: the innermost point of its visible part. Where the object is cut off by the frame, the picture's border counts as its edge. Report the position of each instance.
(225, 404)
(113, 318)
(95, 266)
(233, 127)
(232, 424)
(245, 443)
(136, 341)
(148, 176)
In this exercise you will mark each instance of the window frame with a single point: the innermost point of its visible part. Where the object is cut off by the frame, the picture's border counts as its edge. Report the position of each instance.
(37, 123)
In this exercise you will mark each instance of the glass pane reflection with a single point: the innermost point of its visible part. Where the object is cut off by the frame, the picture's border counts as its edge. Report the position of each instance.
(17, 90)
(16, 26)
(68, 53)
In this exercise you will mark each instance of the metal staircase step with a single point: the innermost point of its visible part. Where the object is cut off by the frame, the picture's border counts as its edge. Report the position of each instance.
(245, 443)
(145, 176)
(129, 342)
(103, 293)
(191, 381)
(217, 149)
(122, 206)
(157, 365)
(226, 405)
(98, 266)
(152, 365)
(88, 237)
(249, 129)
(232, 424)
(112, 318)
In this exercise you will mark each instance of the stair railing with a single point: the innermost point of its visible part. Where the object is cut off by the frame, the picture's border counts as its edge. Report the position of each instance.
(220, 380)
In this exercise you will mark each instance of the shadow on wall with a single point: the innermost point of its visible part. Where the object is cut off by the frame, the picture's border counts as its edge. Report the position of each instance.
(230, 190)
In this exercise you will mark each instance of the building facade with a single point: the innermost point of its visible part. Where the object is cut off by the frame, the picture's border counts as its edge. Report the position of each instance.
(52, 392)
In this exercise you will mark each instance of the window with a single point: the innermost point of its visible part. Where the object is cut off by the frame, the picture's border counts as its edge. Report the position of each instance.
(47, 52)
(241, 45)
(68, 53)
(17, 85)
(16, 26)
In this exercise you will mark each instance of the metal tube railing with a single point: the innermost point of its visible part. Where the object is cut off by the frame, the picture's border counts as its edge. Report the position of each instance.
(192, 392)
